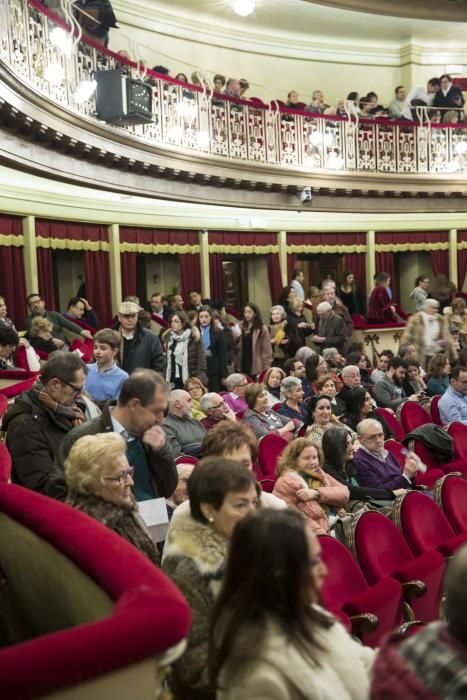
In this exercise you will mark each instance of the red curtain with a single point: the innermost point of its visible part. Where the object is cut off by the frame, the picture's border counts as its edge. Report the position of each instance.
(190, 273)
(291, 265)
(128, 265)
(96, 273)
(385, 263)
(46, 278)
(440, 262)
(216, 272)
(461, 269)
(274, 274)
(12, 283)
(356, 262)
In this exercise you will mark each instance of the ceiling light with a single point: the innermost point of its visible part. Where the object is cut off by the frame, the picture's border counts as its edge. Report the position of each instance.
(243, 7)
(84, 91)
(62, 40)
(54, 73)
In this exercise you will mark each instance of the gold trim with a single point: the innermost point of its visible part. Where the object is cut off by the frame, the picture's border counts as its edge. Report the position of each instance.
(356, 248)
(462, 245)
(243, 249)
(403, 247)
(67, 244)
(150, 248)
(10, 239)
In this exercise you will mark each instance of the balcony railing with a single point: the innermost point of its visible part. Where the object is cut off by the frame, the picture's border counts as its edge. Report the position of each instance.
(191, 120)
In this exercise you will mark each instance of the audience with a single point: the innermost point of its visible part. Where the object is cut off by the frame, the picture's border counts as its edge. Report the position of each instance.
(212, 338)
(40, 418)
(320, 418)
(439, 370)
(419, 293)
(331, 328)
(221, 492)
(327, 385)
(296, 368)
(184, 433)
(389, 392)
(428, 332)
(235, 399)
(453, 403)
(139, 348)
(359, 405)
(9, 341)
(349, 294)
(382, 364)
(304, 486)
(196, 389)
(180, 494)
(381, 308)
(186, 354)
(297, 283)
(292, 399)
(442, 291)
(41, 335)
(79, 309)
(399, 108)
(37, 308)
(105, 378)
(350, 376)
(254, 352)
(262, 419)
(329, 294)
(272, 381)
(215, 409)
(297, 326)
(99, 482)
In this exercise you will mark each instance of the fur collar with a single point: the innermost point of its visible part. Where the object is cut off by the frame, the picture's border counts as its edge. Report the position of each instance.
(188, 537)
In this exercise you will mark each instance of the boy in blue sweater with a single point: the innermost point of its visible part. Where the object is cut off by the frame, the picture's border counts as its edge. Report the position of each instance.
(105, 377)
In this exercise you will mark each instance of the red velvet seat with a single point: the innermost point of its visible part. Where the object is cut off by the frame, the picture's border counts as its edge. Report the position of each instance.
(458, 432)
(424, 525)
(458, 465)
(5, 463)
(270, 448)
(239, 415)
(392, 422)
(434, 411)
(381, 551)
(346, 590)
(428, 479)
(261, 375)
(16, 382)
(276, 406)
(3, 404)
(412, 416)
(451, 496)
(186, 459)
(86, 347)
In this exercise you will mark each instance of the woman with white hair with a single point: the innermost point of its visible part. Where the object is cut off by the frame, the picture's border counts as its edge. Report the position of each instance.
(292, 396)
(429, 332)
(100, 481)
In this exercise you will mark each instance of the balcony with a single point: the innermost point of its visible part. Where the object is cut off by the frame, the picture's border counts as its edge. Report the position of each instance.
(200, 137)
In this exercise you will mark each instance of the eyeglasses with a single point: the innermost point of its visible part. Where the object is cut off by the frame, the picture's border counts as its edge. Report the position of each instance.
(375, 436)
(222, 403)
(123, 477)
(244, 384)
(76, 389)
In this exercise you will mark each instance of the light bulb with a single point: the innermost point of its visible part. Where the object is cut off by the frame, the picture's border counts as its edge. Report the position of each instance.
(62, 40)
(243, 7)
(54, 73)
(84, 91)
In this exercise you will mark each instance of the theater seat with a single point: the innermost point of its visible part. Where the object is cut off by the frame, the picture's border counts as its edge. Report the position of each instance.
(346, 590)
(424, 525)
(434, 411)
(270, 448)
(412, 416)
(186, 459)
(458, 465)
(458, 432)
(84, 613)
(381, 551)
(392, 422)
(5, 463)
(450, 495)
(3, 405)
(428, 479)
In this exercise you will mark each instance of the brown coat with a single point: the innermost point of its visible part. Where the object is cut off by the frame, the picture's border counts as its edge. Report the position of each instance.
(261, 351)
(414, 334)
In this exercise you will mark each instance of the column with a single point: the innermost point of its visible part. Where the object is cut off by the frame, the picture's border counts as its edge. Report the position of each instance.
(453, 271)
(204, 260)
(115, 267)
(30, 255)
(282, 243)
(370, 259)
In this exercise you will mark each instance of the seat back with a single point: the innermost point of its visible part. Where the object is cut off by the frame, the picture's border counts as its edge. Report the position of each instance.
(261, 375)
(270, 447)
(450, 494)
(5, 463)
(422, 523)
(276, 406)
(378, 546)
(434, 411)
(240, 414)
(3, 404)
(425, 455)
(186, 459)
(458, 432)
(395, 448)
(412, 416)
(344, 579)
(392, 422)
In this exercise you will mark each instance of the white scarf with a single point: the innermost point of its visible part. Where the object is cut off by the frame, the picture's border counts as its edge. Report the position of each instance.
(432, 331)
(179, 355)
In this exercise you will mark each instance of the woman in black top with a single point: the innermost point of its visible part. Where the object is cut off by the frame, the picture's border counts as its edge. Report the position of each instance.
(213, 340)
(359, 406)
(296, 317)
(349, 294)
(338, 462)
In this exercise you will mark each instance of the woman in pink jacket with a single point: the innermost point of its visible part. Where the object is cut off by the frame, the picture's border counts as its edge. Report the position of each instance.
(304, 486)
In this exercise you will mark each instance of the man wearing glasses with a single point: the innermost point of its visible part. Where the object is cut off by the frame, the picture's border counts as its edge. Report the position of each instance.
(36, 306)
(216, 410)
(235, 399)
(41, 417)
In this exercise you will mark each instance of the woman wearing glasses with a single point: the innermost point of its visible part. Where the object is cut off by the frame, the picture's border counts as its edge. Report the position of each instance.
(100, 482)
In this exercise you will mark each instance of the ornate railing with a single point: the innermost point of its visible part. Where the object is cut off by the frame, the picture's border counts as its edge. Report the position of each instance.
(192, 120)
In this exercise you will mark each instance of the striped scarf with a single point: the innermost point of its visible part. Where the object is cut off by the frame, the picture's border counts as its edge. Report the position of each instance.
(69, 415)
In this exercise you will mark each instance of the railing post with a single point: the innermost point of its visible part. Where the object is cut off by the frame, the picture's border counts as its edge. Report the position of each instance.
(370, 259)
(204, 261)
(282, 243)
(453, 270)
(115, 266)
(30, 255)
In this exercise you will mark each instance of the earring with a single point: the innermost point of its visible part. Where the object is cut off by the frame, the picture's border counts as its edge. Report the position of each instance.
(211, 519)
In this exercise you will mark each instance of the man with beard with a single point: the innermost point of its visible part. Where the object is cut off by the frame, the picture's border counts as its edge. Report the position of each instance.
(389, 392)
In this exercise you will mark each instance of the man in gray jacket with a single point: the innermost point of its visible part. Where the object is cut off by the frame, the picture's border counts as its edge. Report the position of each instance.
(184, 434)
(331, 328)
(389, 392)
(36, 306)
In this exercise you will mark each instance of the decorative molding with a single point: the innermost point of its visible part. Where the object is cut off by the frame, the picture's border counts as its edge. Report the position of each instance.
(442, 10)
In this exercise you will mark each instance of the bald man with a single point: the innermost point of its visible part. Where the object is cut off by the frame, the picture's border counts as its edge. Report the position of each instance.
(184, 433)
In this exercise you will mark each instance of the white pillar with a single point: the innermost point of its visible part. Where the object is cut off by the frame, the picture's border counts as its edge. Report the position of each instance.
(30, 255)
(204, 260)
(282, 243)
(453, 271)
(370, 259)
(115, 267)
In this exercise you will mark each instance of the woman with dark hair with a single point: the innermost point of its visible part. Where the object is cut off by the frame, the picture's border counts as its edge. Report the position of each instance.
(439, 370)
(338, 453)
(349, 294)
(221, 492)
(213, 341)
(269, 636)
(185, 355)
(9, 340)
(296, 317)
(321, 418)
(262, 419)
(287, 295)
(254, 346)
(315, 367)
(359, 405)
(360, 360)
(381, 308)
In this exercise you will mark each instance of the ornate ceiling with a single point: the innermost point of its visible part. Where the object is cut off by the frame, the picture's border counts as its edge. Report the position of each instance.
(450, 10)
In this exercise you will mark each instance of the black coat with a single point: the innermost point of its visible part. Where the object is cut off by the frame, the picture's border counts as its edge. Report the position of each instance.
(163, 472)
(145, 352)
(359, 493)
(448, 99)
(216, 360)
(33, 438)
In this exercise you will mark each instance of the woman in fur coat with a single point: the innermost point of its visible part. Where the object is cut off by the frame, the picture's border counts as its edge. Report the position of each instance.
(221, 492)
(186, 356)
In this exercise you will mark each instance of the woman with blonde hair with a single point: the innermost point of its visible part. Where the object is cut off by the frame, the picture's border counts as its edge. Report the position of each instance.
(305, 487)
(272, 381)
(100, 480)
(41, 336)
(196, 389)
(438, 374)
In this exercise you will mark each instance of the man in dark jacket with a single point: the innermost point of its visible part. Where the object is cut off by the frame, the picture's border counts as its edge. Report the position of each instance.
(140, 347)
(331, 329)
(137, 417)
(41, 417)
(36, 306)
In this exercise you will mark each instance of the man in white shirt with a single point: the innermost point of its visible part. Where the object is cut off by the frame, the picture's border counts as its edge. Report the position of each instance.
(424, 95)
(400, 107)
(297, 283)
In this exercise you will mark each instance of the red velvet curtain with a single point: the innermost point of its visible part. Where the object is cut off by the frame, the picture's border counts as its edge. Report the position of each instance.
(291, 265)
(96, 273)
(385, 263)
(274, 274)
(440, 262)
(190, 273)
(128, 266)
(356, 262)
(46, 278)
(216, 272)
(12, 283)
(462, 269)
